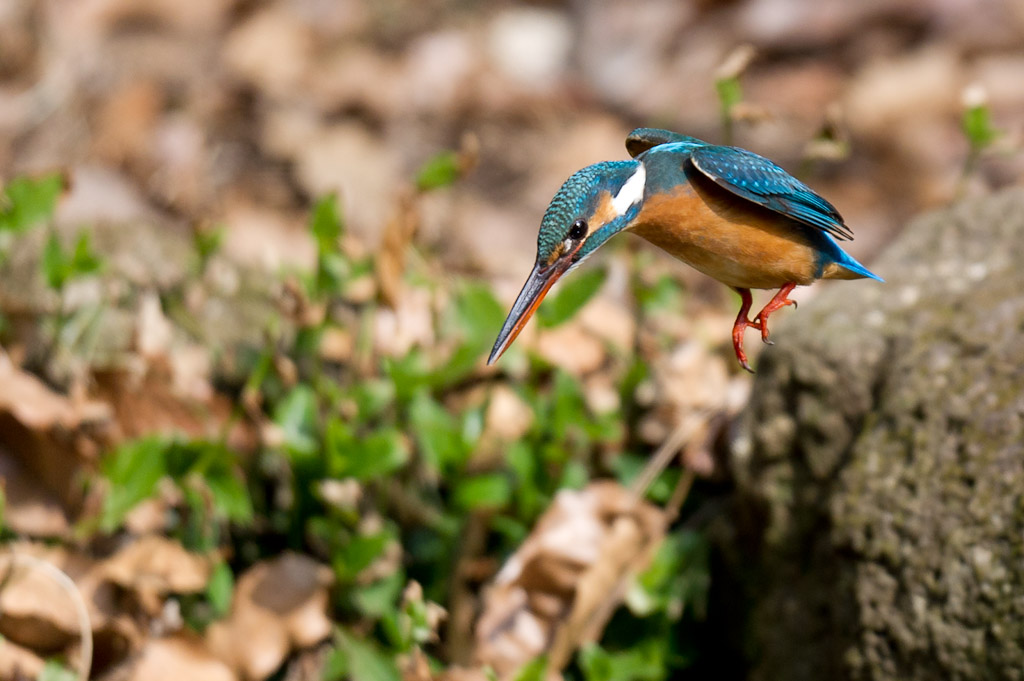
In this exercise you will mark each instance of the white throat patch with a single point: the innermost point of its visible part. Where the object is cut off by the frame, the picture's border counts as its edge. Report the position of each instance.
(631, 192)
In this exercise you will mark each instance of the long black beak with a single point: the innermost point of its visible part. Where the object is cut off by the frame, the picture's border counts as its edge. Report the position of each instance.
(540, 281)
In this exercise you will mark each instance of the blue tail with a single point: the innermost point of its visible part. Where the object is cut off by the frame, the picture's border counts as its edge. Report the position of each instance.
(849, 263)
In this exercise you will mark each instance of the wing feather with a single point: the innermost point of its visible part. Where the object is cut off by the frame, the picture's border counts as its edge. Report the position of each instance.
(757, 179)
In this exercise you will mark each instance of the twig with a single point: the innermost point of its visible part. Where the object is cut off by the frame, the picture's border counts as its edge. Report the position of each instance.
(668, 449)
(679, 494)
(68, 584)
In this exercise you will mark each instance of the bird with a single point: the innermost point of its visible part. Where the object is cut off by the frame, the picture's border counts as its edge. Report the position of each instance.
(728, 212)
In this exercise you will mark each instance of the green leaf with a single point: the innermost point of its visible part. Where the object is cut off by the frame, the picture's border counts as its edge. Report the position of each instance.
(29, 201)
(486, 491)
(479, 313)
(535, 670)
(296, 415)
(574, 476)
(207, 243)
(440, 171)
(523, 461)
(568, 408)
(678, 577)
(54, 263)
(977, 125)
(83, 259)
(355, 556)
(366, 458)
(365, 661)
(372, 397)
(438, 434)
(230, 497)
(408, 374)
(571, 296)
(664, 294)
(730, 93)
(643, 662)
(326, 224)
(380, 597)
(336, 666)
(220, 589)
(132, 471)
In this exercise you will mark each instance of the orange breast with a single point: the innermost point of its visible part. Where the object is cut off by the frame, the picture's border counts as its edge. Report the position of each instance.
(736, 242)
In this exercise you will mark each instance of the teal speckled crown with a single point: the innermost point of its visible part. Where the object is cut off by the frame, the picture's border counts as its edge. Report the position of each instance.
(577, 198)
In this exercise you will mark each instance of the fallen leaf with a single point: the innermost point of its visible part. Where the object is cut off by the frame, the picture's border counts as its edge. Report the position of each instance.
(506, 419)
(571, 348)
(178, 657)
(154, 567)
(278, 606)
(30, 509)
(36, 610)
(562, 584)
(47, 432)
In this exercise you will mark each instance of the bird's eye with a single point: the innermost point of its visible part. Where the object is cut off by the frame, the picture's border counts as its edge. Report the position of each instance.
(578, 230)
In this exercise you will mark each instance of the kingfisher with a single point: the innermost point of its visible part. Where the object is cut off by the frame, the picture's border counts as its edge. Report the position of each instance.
(726, 211)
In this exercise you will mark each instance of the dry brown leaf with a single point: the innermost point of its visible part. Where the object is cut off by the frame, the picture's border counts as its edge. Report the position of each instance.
(114, 633)
(390, 262)
(155, 566)
(563, 583)
(610, 321)
(278, 606)
(30, 509)
(272, 50)
(153, 331)
(506, 419)
(48, 432)
(571, 348)
(35, 610)
(336, 344)
(176, 658)
(409, 324)
(167, 395)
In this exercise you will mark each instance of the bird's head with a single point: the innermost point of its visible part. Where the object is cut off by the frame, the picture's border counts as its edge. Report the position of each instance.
(592, 206)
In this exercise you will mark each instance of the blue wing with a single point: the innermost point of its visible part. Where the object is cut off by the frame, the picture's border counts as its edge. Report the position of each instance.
(757, 179)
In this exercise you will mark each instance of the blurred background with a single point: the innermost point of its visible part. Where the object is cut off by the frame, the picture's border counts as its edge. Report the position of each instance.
(254, 254)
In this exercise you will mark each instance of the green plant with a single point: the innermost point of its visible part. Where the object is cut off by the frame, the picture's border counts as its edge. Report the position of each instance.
(205, 473)
(729, 89)
(980, 131)
(61, 266)
(27, 202)
(380, 464)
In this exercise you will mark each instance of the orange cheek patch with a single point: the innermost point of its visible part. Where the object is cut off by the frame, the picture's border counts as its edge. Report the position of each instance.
(555, 254)
(604, 214)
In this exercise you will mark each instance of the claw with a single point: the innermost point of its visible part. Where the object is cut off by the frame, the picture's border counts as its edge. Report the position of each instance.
(778, 302)
(741, 324)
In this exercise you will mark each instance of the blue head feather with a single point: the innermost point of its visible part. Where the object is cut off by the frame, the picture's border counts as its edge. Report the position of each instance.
(578, 199)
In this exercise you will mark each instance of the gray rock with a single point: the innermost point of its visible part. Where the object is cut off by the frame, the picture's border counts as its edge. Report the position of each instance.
(880, 465)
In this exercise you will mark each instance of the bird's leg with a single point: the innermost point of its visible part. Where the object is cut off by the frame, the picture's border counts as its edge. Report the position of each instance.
(780, 300)
(742, 322)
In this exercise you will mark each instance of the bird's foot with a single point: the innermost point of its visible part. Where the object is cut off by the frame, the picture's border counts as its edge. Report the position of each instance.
(780, 301)
(742, 322)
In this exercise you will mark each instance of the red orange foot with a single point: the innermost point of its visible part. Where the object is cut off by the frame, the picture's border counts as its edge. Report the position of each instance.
(741, 324)
(780, 301)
